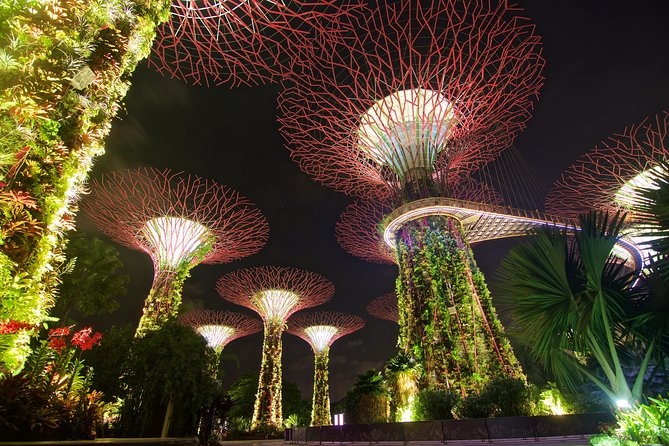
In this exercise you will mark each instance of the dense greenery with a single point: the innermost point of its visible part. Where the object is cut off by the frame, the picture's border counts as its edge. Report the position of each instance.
(320, 407)
(434, 405)
(91, 284)
(447, 320)
(368, 400)
(267, 411)
(642, 424)
(64, 68)
(51, 398)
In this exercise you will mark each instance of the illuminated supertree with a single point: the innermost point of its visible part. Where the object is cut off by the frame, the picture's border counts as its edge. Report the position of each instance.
(605, 178)
(320, 330)
(180, 221)
(275, 293)
(608, 177)
(385, 307)
(401, 111)
(219, 328)
(238, 42)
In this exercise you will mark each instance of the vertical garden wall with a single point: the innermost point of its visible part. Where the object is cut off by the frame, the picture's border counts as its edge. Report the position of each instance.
(447, 320)
(64, 68)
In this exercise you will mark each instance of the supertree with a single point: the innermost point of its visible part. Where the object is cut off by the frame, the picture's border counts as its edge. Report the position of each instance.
(275, 293)
(401, 111)
(238, 42)
(320, 330)
(180, 221)
(605, 179)
(219, 328)
(385, 307)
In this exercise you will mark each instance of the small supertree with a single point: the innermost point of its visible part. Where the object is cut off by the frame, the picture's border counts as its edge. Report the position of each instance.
(405, 107)
(179, 221)
(385, 307)
(275, 293)
(219, 328)
(609, 178)
(320, 330)
(238, 42)
(605, 178)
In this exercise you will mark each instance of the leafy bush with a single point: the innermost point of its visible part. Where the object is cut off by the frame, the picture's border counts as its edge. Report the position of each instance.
(645, 423)
(434, 405)
(501, 397)
(50, 399)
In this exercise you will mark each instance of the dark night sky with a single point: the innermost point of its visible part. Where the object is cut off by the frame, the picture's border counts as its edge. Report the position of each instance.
(607, 65)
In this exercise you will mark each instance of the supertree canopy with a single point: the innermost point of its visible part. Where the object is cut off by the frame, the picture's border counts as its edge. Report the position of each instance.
(320, 330)
(605, 178)
(238, 42)
(402, 110)
(275, 293)
(179, 221)
(385, 307)
(219, 328)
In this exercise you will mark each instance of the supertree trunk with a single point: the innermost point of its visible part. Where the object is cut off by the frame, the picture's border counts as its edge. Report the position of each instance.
(163, 300)
(320, 406)
(267, 409)
(447, 320)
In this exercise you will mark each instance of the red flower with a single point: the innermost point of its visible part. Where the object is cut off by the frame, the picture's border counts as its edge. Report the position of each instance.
(84, 340)
(13, 326)
(60, 332)
(57, 344)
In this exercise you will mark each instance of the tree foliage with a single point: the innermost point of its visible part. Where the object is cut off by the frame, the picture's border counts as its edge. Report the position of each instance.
(578, 305)
(92, 285)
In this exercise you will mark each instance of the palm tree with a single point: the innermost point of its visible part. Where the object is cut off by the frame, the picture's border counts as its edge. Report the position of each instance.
(368, 400)
(578, 304)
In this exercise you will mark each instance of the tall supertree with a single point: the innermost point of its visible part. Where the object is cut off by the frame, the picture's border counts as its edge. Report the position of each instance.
(180, 221)
(320, 330)
(385, 307)
(239, 42)
(402, 110)
(275, 293)
(219, 328)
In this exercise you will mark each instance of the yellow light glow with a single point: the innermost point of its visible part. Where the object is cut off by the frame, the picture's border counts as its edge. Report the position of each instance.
(217, 336)
(320, 336)
(174, 240)
(407, 129)
(276, 304)
(627, 194)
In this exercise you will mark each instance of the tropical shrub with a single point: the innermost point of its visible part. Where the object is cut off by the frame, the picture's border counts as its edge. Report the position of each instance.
(501, 397)
(368, 400)
(434, 405)
(51, 398)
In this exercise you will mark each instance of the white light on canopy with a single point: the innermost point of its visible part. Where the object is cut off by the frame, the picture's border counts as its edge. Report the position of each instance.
(276, 304)
(174, 239)
(627, 194)
(407, 129)
(320, 336)
(217, 336)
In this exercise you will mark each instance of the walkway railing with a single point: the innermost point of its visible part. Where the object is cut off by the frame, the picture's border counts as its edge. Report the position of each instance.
(448, 430)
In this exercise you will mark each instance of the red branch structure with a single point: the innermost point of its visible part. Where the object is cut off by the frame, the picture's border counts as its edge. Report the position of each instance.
(320, 330)
(219, 328)
(275, 293)
(238, 42)
(385, 307)
(419, 90)
(357, 231)
(179, 221)
(603, 178)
